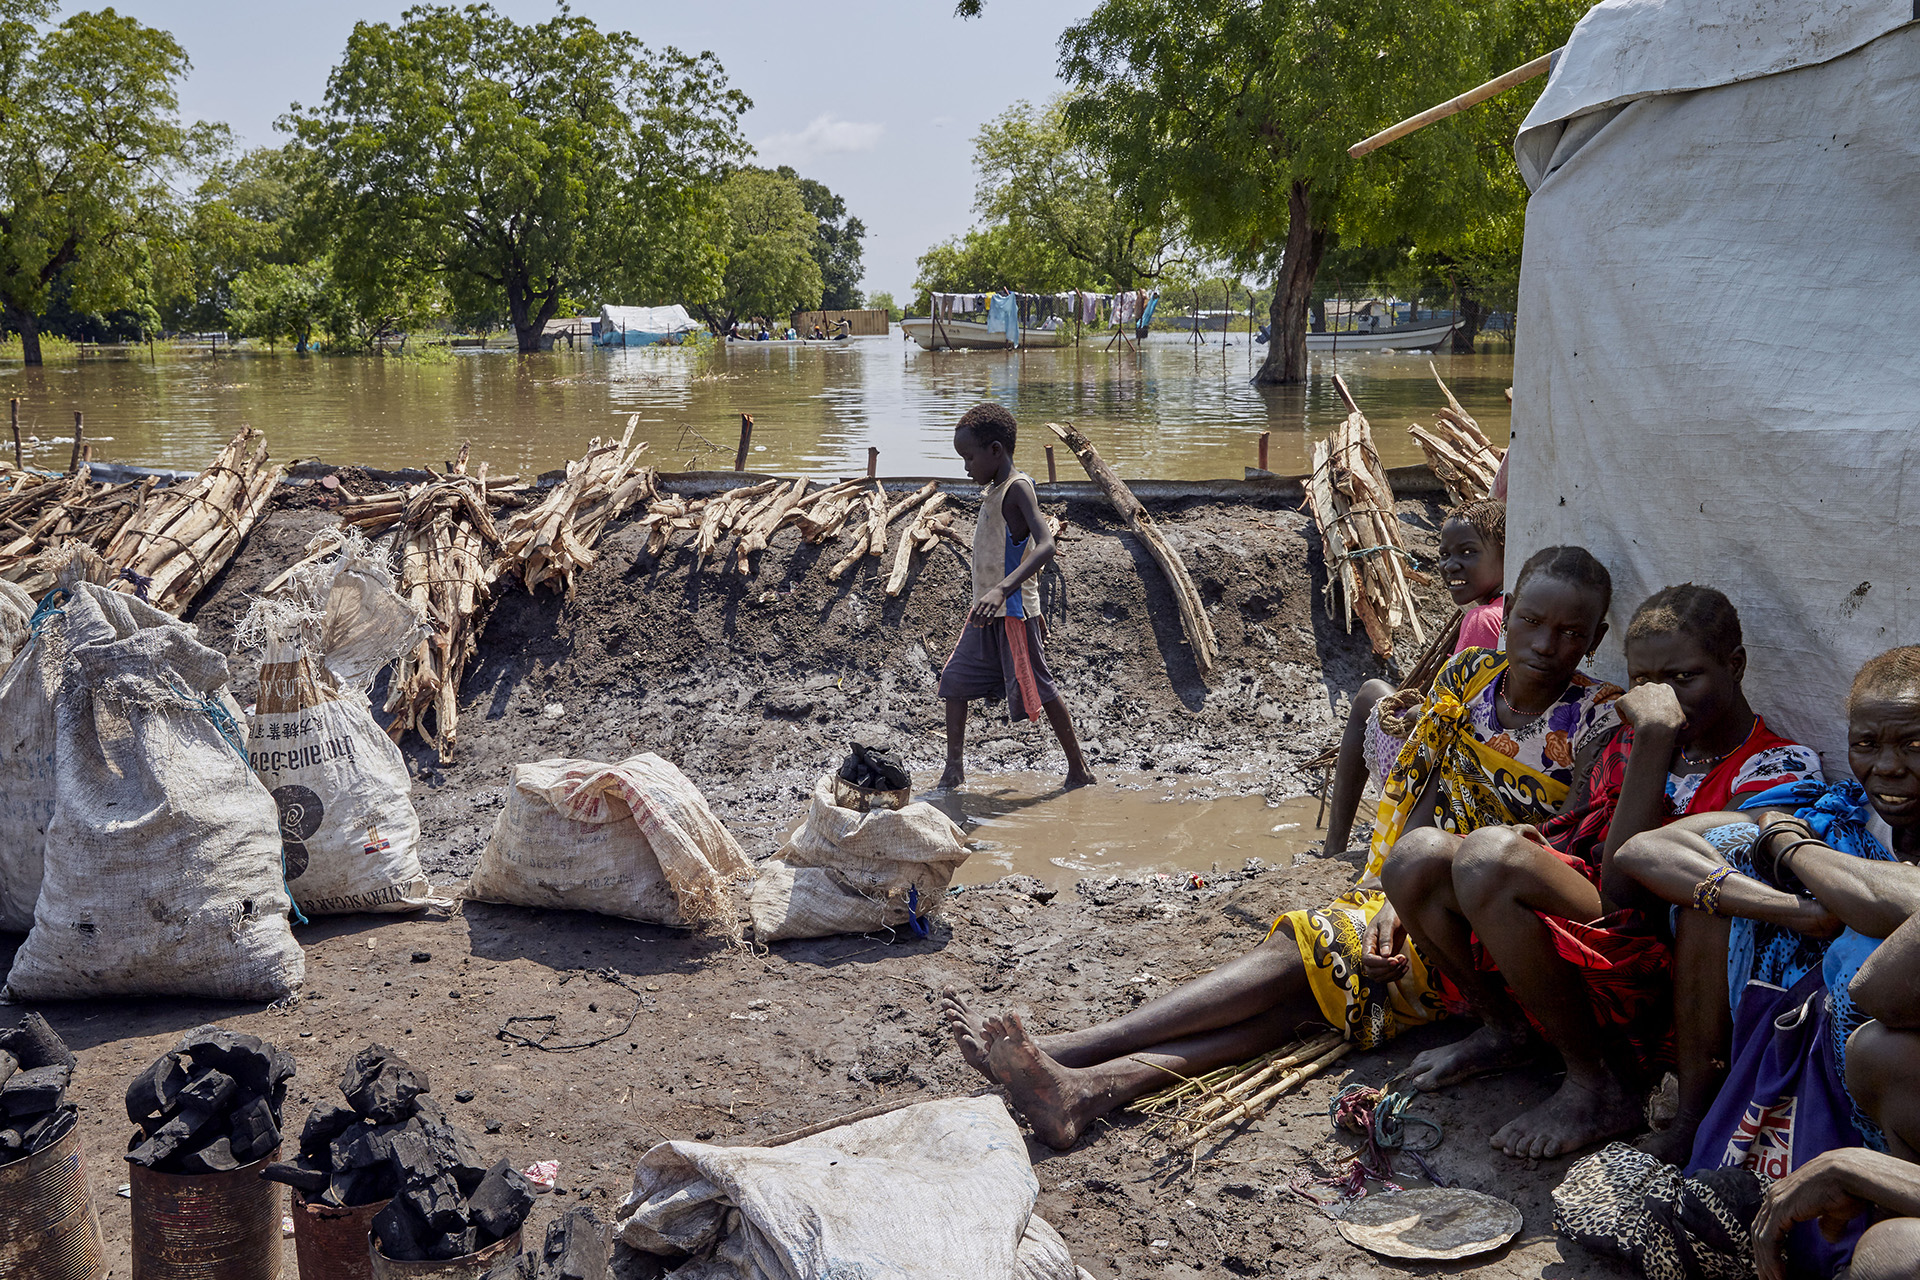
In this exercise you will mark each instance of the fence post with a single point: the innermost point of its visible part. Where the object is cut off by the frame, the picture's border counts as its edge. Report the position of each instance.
(746, 439)
(79, 429)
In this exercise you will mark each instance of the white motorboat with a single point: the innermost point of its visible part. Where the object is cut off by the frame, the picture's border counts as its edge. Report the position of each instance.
(1409, 338)
(948, 335)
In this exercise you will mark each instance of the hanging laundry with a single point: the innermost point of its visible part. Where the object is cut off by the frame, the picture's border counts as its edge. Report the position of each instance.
(1003, 316)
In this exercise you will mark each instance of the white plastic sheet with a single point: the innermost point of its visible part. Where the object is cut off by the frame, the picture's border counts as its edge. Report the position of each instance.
(1716, 380)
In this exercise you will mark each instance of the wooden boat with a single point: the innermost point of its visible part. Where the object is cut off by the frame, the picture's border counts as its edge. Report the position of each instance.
(1405, 338)
(948, 335)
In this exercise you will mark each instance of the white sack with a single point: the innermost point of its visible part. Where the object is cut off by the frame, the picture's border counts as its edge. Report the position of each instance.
(348, 829)
(16, 615)
(634, 839)
(27, 738)
(845, 871)
(162, 872)
(935, 1191)
(1712, 380)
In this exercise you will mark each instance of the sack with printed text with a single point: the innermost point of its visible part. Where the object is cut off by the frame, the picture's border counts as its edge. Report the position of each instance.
(347, 823)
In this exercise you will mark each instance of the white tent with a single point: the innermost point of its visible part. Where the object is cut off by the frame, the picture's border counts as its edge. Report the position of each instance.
(1717, 379)
(643, 326)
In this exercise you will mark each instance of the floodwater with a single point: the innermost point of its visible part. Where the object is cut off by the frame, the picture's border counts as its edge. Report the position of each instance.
(1024, 822)
(1171, 410)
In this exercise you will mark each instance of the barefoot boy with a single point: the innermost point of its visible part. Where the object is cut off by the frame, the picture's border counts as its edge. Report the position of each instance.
(1002, 647)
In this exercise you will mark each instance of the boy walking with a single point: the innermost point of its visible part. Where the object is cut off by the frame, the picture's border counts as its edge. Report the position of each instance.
(1002, 648)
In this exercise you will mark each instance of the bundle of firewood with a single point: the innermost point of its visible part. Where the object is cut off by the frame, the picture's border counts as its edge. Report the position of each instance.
(1457, 450)
(550, 540)
(178, 538)
(1352, 503)
(41, 515)
(755, 513)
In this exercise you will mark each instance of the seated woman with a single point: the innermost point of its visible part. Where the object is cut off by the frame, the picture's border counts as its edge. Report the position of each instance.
(1473, 562)
(1805, 887)
(1473, 760)
(1598, 990)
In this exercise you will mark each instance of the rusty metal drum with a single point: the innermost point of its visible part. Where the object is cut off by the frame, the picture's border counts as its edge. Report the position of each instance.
(331, 1242)
(48, 1227)
(206, 1226)
(468, 1268)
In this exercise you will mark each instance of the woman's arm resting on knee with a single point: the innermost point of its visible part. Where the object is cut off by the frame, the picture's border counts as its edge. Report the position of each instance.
(1833, 1187)
(1670, 862)
(1888, 984)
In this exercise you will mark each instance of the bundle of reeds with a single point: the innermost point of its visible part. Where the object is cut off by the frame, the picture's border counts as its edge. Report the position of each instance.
(178, 538)
(1198, 1107)
(42, 516)
(551, 539)
(1457, 450)
(1352, 503)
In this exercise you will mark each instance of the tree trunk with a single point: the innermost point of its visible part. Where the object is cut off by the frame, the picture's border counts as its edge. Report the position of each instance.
(1286, 360)
(29, 326)
(1472, 316)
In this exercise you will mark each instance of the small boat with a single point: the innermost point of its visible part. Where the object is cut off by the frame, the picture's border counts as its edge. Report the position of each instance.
(1405, 338)
(947, 335)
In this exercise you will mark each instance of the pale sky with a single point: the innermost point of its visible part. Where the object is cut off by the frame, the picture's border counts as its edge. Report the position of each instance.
(879, 100)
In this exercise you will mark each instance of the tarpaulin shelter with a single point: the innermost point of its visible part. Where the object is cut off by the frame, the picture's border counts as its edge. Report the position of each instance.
(1711, 384)
(642, 326)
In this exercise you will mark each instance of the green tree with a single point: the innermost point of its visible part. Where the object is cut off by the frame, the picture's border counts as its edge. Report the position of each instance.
(837, 246)
(248, 212)
(1041, 183)
(90, 140)
(521, 160)
(287, 301)
(771, 270)
(1240, 113)
(988, 257)
(883, 301)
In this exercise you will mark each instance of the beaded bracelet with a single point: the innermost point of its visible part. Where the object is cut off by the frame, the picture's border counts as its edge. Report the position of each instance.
(1706, 894)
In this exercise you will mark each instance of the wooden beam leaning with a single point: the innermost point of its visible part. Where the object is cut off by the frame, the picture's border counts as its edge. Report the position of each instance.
(1454, 106)
(1193, 613)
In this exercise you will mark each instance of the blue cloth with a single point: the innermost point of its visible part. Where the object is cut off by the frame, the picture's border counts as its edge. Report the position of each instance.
(1016, 551)
(1003, 314)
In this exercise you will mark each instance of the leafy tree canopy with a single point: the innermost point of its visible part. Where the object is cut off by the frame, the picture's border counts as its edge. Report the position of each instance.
(837, 246)
(987, 258)
(524, 160)
(771, 271)
(90, 138)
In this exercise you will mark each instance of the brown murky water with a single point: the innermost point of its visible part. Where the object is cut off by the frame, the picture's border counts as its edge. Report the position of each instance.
(1023, 822)
(1170, 410)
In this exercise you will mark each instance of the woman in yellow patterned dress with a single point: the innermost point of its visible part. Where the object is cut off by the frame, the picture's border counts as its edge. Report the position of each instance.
(1497, 742)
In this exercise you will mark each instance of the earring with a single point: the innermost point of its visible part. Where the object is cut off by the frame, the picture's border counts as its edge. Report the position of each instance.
(1589, 662)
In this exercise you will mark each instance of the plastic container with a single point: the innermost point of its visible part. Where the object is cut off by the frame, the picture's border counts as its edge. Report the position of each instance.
(469, 1267)
(206, 1226)
(331, 1242)
(48, 1227)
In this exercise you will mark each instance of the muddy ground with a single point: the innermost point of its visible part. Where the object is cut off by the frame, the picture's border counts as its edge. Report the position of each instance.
(754, 686)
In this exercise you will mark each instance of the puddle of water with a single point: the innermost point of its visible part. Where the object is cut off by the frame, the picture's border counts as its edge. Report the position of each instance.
(1023, 822)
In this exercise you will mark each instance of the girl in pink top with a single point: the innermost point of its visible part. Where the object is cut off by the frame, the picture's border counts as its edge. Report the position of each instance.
(1473, 549)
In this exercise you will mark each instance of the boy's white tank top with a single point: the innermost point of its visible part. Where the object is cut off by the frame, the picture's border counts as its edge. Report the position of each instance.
(995, 554)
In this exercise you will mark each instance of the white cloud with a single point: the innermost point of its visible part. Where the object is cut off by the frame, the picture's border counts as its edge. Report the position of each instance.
(823, 136)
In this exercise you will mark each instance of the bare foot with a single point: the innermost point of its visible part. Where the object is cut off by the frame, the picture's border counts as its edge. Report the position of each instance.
(1577, 1115)
(955, 775)
(969, 1032)
(1079, 776)
(1487, 1050)
(1673, 1144)
(1044, 1092)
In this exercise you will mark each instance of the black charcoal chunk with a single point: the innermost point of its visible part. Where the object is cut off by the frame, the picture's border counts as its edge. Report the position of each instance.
(216, 1157)
(302, 1174)
(501, 1202)
(34, 1044)
(455, 1244)
(210, 1089)
(629, 1263)
(154, 1090)
(380, 1085)
(351, 1187)
(30, 1092)
(450, 1144)
(8, 1065)
(364, 1146)
(49, 1129)
(324, 1124)
(253, 1131)
(521, 1266)
(401, 1234)
(247, 1059)
(575, 1248)
(182, 1133)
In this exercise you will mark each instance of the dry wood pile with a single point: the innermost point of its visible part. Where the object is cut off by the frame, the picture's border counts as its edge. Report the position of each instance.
(1352, 503)
(1197, 1108)
(1457, 450)
(753, 514)
(165, 544)
(548, 541)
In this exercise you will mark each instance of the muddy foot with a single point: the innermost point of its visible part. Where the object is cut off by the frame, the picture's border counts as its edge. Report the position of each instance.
(969, 1032)
(1080, 777)
(1043, 1091)
(955, 775)
(1673, 1144)
(1487, 1050)
(1575, 1116)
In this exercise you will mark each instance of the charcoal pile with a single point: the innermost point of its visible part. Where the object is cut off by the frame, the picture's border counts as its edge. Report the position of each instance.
(391, 1142)
(212, 1104)
(35, 1068)
(575, 1249)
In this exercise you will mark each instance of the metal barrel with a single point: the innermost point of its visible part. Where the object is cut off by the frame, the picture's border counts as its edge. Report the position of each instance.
(467, 1268)
(331, 1242)
(206, 1226)
(48, 1227)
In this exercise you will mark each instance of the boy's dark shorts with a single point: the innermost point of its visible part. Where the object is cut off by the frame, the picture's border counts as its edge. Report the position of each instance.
(982, 666)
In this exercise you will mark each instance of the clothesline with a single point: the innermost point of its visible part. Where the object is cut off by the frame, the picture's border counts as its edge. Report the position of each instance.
(1127, 307)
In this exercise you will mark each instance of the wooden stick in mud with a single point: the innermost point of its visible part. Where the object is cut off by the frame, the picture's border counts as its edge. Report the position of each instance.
(79, 429)
(873, 460)
(872, 540)
(907, 504)
(1260, 1102)
(1193, 613)
(909, 541)
(761, 532)
(15, 407)
(746, 439)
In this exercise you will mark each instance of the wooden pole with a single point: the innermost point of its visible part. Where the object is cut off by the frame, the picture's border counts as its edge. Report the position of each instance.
(1264, 437)
(1053, 476)
(79, 429)
(873, 461)
(1454, 106)
(16, 432)
(746, 440)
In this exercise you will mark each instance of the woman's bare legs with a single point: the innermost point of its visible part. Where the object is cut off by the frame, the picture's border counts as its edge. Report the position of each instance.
(1702, 1029)
(1350, 771)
